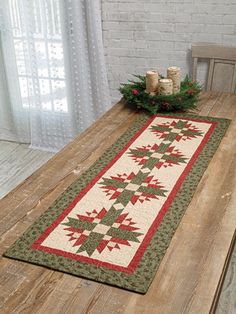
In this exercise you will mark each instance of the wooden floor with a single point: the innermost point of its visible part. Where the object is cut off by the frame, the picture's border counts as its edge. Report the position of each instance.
(17, 162)
(45, 292)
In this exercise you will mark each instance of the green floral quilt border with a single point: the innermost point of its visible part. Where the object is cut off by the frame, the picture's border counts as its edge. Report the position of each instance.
(140, 280)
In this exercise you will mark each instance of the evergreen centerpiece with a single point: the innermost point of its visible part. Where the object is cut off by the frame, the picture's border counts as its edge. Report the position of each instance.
(135, 93)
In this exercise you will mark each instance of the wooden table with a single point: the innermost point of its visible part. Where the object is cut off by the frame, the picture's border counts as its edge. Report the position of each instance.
(190, 275)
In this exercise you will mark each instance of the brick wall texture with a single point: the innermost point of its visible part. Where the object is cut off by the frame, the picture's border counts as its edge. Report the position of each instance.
(140, 35)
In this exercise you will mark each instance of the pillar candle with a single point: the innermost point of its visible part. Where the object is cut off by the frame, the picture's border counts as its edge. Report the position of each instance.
(151, 82)
(173, 73)
(165, 87)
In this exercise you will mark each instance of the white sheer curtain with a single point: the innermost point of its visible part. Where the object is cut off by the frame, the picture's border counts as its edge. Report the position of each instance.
(53, 81)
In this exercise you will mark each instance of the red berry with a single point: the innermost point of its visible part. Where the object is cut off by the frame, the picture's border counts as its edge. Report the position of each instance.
(135, 91)
(165, 105)
(190, 91)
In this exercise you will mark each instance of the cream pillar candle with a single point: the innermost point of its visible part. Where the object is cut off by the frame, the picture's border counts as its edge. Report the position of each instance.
(165, 87)
(173, 73)
(151, 82)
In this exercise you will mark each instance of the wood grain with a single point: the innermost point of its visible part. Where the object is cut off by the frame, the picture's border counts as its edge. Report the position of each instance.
(20, 163)
(222, 66)
(189, 275)
(208, 50)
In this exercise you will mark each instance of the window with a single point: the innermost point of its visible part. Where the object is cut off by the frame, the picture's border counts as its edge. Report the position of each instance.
(39, 54)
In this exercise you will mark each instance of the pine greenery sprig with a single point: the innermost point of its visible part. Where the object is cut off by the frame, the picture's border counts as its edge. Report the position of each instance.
(134, 94)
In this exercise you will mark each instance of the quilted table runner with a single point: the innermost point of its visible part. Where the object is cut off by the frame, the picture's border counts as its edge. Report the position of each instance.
(114, 224)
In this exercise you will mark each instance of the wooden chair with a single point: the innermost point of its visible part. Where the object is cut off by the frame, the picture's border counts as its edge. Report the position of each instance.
(222, 66)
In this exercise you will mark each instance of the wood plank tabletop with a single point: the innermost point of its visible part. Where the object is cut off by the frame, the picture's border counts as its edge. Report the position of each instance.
(190, 275)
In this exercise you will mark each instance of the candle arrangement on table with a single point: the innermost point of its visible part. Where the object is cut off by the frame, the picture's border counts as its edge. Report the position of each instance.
(163, 86)
(155, 93)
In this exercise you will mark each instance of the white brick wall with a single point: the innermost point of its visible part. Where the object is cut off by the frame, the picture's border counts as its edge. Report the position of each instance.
(154, 34)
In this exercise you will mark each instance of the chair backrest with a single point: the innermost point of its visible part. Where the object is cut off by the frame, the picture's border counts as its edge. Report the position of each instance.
(222, 66)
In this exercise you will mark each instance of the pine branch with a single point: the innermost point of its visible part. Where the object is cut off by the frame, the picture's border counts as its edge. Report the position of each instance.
(134, 94)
